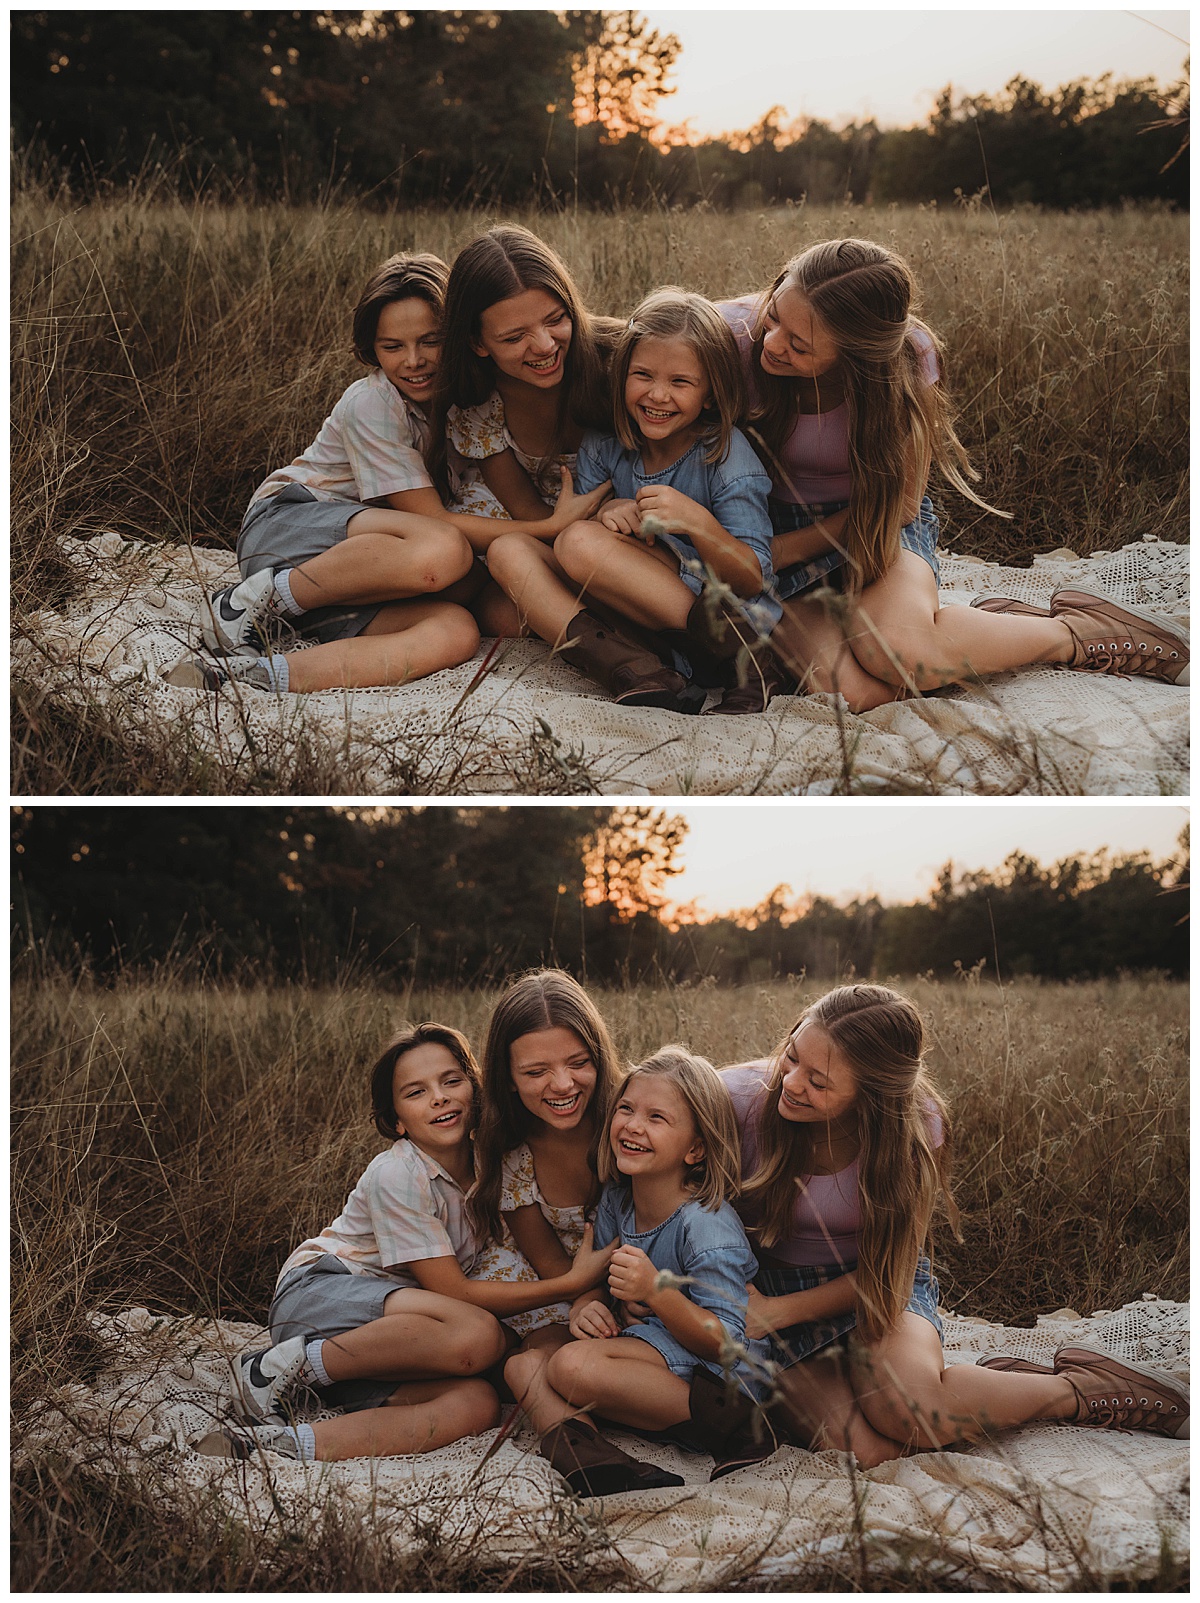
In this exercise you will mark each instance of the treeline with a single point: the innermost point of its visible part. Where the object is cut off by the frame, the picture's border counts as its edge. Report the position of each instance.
(409, 107)
(468, 895)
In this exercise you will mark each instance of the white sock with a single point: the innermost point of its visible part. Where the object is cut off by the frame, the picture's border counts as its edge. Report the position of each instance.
(277, 667)
(283, 591)
(306, 1442)
(313, 1367)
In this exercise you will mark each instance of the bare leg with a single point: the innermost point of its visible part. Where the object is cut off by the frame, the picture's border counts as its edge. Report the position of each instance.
(420, 1336)
(418, 1417)
(385, 556)
(544, 598)
(820, 1408)
(908, 1395)
(404, 641)
(619, 1377)
(811, 640)
(641, 582)
(900, 635)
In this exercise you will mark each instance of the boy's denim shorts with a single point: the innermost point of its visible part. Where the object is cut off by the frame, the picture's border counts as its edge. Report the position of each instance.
(920, 537)
(802, 1341)
(325, 1299)
(287, 528)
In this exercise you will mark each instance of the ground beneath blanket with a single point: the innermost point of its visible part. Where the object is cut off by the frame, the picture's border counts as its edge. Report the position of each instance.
(517, 720)
(1047, 1507)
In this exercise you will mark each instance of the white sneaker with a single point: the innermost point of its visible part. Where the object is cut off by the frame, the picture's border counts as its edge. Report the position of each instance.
(248, 1441)
(232, 619)
(261, 1379)
(199, 673)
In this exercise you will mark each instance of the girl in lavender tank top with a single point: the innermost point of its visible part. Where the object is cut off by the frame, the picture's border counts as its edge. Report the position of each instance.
(851, 418)
(845, 1153)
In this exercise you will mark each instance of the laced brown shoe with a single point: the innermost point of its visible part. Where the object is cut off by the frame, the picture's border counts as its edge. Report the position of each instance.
(1015, 1366)
(1117, 1395)
(1024, 609)
(593, 1467)
(1112, 638)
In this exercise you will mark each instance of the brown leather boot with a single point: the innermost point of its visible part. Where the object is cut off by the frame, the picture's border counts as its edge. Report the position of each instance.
(765, 675)
(593, 1467)
(727, 1423)
(631, 673)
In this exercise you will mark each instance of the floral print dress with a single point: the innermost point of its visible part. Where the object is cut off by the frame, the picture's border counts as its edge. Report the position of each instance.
(475, 433)
(504, 1260)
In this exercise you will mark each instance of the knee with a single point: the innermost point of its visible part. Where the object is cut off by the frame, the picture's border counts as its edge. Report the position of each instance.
(881, 655)
(521, 1370)
(459, 633)
(509, 557)
(566, 1369)
(445, 558)
(477, 1408)
(474, 1345)
(577, 549)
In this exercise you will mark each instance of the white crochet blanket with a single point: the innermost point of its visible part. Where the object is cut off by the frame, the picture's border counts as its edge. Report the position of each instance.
(518, 721)
(1046, 1507)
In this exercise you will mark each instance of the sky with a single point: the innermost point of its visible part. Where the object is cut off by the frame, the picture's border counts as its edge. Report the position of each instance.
(846, 65)
(735, 854)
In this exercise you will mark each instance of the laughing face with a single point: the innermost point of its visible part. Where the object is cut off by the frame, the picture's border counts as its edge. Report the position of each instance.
(527, 336)
(666, 388)
(408, 346)
(818, 1084)
(796, 344)
(433, 1098)
(554, 1076)
(653, 1131)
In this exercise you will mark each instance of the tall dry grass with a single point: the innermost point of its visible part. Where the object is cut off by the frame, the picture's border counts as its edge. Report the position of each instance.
(168, 350)
(174, 1138)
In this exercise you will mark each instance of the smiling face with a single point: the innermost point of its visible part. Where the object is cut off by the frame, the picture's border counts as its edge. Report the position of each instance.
(796, 344)
(527, 336)
(554, 1076)
(666, 388)
(652, 1130)
(433, 1098)
(408, 346)
(818, 1084)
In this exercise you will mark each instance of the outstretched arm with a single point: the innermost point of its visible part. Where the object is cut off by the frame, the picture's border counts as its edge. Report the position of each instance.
(445, 1276)
(544, 522)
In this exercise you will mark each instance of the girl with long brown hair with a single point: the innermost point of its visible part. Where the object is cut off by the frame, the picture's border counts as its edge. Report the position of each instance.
(845, 1153)
(550, 1071)
(850, 417)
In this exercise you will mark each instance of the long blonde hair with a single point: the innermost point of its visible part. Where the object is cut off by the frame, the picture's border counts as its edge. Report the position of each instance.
(717, 1177)
(545, 999)
(901, 1172)
(864, 294)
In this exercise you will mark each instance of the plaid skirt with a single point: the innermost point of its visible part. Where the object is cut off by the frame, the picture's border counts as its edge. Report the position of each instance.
(797, 1342)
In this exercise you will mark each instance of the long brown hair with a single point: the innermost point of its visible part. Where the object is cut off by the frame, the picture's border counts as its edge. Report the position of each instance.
(420, 277)
(545, 999)
(901, 1172)
(494, 267)
(864, 295)
(671, 313)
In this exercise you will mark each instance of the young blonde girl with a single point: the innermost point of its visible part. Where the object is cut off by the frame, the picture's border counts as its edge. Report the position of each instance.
(690, 503)
(851, 416)
(378, 1314)
(667, 1350)
(550, 1072)
(845, 1147)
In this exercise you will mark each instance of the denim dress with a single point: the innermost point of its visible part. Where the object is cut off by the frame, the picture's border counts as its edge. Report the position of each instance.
(709, 1248)
(734, 489)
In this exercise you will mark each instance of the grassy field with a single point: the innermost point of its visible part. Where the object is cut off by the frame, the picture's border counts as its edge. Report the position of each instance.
(167, 352)
(174, 1139)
